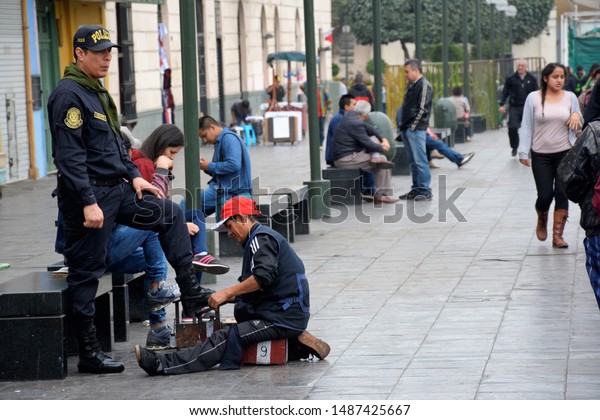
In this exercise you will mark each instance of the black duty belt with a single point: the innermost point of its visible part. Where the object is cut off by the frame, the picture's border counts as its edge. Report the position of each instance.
(104, 182)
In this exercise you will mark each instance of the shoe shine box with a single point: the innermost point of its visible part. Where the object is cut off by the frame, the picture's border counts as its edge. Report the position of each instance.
(272, 352)
(189, 333)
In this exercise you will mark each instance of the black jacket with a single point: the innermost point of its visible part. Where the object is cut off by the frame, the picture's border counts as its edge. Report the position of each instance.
(353, 135)
(577, 175)
(416, 106)
(517, 90)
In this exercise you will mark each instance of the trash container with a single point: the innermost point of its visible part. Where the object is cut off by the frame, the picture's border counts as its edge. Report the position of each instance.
(383, 124)
(444, 116)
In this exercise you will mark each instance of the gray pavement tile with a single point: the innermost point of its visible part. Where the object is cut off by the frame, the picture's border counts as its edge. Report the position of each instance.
(435, 310)
(520, 396)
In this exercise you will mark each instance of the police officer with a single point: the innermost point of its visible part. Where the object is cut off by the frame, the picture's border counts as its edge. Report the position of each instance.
(271, 300)
(98, 185)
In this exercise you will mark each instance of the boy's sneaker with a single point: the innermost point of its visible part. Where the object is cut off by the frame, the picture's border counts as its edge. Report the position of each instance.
(313, 346)
(159, 338)
(148, 361)
(209, 264)
(162, 295)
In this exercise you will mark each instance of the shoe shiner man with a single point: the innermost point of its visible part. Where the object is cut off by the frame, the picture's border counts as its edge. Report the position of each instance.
(271, 301)
(98, 185)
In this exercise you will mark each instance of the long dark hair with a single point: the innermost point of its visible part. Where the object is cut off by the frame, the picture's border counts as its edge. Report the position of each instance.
(166, 135)
(545, 74)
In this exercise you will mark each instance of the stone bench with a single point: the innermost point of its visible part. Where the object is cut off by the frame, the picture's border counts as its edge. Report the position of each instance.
(35, 329)
(346, 185)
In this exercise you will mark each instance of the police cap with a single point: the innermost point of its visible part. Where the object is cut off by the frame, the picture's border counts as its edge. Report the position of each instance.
(93, 37)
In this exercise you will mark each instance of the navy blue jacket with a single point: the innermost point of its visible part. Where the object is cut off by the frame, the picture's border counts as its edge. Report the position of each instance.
(352, 135)
(283, 298)
(83, 144)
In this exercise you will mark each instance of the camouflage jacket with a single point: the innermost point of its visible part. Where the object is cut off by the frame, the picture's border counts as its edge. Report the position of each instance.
(577, 175)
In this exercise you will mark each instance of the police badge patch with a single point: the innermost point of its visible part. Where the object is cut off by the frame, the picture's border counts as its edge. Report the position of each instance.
(73, 119)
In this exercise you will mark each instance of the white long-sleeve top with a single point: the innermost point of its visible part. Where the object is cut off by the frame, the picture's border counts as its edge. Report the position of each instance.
(545, 130)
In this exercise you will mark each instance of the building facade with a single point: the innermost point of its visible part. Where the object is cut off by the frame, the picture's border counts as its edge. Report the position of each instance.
(234, 38)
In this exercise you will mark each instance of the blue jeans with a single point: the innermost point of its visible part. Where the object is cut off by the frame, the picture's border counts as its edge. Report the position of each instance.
(196, 217)
(132, 251)
(209, 201)
(592, 263)
(414, 146)
(441, 147)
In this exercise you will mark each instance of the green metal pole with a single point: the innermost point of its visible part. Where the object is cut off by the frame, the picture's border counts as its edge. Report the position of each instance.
(377, 53)
(189, 72)
(465, 40)
(318, 191)
(418, 32)
(493, 40)
(445, 48)
(501, 25)
(478, 23)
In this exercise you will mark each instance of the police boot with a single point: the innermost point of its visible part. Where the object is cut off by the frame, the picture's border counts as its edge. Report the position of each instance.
(541, 230)
(193, 296)
(560, 219)
(91, 357)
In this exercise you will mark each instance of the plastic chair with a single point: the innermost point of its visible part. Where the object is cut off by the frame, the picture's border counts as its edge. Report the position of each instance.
(249, 135)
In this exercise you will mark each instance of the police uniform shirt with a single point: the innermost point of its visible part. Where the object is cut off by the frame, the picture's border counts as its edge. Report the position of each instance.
(84, 146)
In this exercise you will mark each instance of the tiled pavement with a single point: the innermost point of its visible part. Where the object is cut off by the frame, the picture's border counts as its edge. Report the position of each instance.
(413, 309)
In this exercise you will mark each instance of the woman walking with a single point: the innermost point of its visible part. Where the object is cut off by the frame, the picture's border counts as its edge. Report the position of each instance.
(550, 119)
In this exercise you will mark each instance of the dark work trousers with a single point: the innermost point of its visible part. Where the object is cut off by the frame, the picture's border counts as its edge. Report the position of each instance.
(208, 353)
(545, 167)
(85, 249)
(515, 115)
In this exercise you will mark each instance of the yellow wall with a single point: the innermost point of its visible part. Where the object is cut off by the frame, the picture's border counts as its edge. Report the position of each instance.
(70, 15)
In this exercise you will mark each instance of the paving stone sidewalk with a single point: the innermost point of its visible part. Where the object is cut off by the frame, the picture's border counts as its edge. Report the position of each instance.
(449, 299)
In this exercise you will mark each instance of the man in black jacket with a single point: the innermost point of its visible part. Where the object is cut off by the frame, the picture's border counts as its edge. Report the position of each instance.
(516, 88)
(413, 127)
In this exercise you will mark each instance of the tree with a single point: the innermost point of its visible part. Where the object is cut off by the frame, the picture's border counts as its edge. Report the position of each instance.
(398, 19)
(371, 66)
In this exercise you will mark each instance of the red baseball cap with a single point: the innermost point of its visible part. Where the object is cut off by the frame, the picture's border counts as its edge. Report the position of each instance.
(241, 205)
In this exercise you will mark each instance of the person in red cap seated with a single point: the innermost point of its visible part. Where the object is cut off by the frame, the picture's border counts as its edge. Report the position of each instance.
(271, 301)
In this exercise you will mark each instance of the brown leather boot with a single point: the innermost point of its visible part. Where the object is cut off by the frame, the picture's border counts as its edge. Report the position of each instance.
(560, 218)
(541, 229)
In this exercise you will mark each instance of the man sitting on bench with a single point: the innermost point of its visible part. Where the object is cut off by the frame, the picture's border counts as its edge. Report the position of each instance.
(352, 147)
(271, 300)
